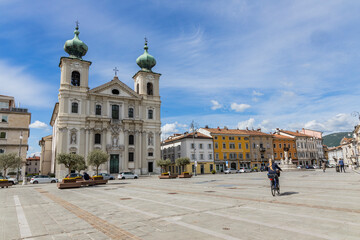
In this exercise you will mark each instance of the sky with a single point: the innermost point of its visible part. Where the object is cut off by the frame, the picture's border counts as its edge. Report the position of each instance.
(256, 64)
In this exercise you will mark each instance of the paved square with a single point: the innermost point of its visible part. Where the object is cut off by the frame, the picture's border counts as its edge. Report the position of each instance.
(313, 205)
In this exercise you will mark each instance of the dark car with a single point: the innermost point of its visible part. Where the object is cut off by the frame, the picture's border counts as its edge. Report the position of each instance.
(309, 167)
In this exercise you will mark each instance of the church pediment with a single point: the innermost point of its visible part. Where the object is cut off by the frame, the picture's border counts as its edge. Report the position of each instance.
(115, 88)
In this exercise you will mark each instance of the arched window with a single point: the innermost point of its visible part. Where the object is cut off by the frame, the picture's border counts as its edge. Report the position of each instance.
(137, 88)
(74, 107)
(149, 89)
(115, 92)
(75, 78)
(131, 112)
(131, 139)
(97, 138)
(150, 114)
(98, 109)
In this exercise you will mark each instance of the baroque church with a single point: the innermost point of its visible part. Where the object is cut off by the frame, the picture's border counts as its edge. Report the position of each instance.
(119, 120)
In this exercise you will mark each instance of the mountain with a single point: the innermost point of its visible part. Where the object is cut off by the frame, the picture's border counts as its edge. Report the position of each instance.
(333, 140)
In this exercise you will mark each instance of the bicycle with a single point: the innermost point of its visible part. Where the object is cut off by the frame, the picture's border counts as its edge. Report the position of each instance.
(275, 185)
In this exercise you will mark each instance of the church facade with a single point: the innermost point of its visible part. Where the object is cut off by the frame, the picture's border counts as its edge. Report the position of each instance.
(119, 120)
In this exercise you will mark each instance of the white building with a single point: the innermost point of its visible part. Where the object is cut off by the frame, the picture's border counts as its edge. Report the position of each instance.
(198, 147)
(318, 149)
(334, 155)
(121, 121)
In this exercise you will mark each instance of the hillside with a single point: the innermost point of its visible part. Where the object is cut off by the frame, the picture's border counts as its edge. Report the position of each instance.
(333, 140)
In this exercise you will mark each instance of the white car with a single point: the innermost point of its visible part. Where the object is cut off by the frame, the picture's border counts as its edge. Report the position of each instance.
(230, 170)
(106, 176)
(243, 170)
(125, 175)
(10, 180)
(43, 179)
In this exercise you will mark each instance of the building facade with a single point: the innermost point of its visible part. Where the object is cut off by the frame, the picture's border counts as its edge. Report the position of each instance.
(318, 150)
(33, 165)
(197, 147)
(45, 156)
(14, 128)
(282, 143)
(114, 118)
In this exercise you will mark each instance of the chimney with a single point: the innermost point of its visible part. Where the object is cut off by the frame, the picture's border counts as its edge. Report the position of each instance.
(206, 126)
(225, 127)
(259, 129)
(218, 128)
(297, 131)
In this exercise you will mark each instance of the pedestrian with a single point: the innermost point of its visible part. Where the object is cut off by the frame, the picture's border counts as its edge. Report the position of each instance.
(86, 176)
(324, 166)
(342, 165)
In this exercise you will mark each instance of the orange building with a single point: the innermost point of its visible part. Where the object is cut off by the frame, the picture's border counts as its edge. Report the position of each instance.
(279, 143)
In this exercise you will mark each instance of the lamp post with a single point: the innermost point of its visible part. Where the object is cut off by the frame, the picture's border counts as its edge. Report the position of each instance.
(23, 168)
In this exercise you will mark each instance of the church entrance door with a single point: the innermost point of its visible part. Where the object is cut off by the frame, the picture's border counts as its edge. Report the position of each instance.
(114, 163)
(150, 167)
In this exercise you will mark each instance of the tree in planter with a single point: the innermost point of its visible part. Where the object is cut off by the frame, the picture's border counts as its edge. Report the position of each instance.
(182, 162)
(163, 163)
(81, 165)
(96, 158)
(69, 160)
(9, 160)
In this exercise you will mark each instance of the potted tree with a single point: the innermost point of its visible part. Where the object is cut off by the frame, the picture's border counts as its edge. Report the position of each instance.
(164, 164)
(182, 162)
(96, 158)
(80, 166)
(7, 161)
(69, 160)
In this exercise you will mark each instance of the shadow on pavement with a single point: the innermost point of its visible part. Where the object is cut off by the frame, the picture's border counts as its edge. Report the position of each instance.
(288, 193)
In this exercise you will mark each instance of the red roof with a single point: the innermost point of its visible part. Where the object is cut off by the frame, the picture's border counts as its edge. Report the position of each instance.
(236, 131)
(297, 134)
(176, 137)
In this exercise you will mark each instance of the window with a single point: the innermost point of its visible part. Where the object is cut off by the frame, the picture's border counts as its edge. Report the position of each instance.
(209, 146)
(115, 92)
(2, 134)
(246, 138)
(2, 150)
(149, 88)
(200, 146)
(290, 155)
(115, 111)
(131, 156)
(254, 145)
(293, 145)
(97, 138)
(232, 145)
(215, 137)
(239, 138)
(294, 155)
(225, 156)
(192, 156)
(98, 109)
(224, 145)
(247, 155)
(280, 145)
(210, 156)
(201, 156)
(192, 146)
(74, 107)
(211, 167)
(281, 155)
(239, 145)
(274, 145)
(217, 156)
(275, 155)
(4, 119)
(216, 145)
(131, 112)
(35, 163)
(247, 146)
(223, 138)
(150, 154)
(131, 139)
(241, 156)
(231, 138)
(75, 78)
(150, 114)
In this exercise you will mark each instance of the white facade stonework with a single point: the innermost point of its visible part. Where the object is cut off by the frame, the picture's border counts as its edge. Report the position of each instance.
(112, 117)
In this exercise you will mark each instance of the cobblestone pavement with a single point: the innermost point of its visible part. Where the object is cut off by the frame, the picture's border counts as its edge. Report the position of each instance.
(313, 205)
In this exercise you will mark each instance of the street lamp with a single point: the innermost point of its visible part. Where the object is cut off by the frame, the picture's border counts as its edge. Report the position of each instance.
(23, 170)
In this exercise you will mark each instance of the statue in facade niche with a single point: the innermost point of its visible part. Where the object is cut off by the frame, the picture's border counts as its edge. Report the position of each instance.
(115, 141)
(73, 138)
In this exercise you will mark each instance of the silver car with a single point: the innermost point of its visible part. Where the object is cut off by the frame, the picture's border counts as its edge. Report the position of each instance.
(106, 176)
(10, 180)
(230, 170)
(43, 179)
(125, 175)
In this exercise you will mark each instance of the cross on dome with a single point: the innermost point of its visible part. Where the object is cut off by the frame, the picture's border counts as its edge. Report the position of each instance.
(115, 70)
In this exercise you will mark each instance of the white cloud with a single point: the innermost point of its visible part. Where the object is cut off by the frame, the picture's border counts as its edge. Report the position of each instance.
(215, 105)
(340, 122)
(39, 125)
(239, 107)
(246, 124)
(171, 128)
(255, 93)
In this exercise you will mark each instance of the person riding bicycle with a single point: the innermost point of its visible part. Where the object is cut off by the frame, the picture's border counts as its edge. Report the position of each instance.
(273, 169)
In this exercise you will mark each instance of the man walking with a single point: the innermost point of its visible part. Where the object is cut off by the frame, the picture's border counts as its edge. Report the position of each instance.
(324, 166)
(342, 166)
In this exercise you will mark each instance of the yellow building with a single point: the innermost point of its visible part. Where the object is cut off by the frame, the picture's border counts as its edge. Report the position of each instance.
(231, 147)
(280, 143)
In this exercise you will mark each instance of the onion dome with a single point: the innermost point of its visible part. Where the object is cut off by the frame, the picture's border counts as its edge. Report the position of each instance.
(146, 61)
(75, 47)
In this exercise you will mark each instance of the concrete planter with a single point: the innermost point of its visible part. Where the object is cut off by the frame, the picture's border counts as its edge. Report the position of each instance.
(5, 184)
(186, 175)
(167, 176)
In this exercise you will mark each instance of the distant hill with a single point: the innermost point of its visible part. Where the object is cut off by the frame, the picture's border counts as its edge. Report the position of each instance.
(333, 140)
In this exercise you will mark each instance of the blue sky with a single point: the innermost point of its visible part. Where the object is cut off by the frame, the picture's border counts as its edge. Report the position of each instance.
(268, 64)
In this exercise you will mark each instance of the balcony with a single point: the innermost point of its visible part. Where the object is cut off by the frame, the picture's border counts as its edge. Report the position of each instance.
(12, 109)
(262, 149)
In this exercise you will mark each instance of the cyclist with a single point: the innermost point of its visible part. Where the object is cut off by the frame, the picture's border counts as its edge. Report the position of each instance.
(274, 169)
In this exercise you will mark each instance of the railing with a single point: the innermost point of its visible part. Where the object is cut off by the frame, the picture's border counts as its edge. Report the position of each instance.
(12, 109)
(262, 149)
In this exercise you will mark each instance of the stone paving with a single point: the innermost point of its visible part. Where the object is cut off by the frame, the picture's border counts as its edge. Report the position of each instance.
(313, 205)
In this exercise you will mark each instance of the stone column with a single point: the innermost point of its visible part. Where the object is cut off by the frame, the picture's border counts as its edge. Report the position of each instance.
(86, 143)
(91, 139)
(125, 156)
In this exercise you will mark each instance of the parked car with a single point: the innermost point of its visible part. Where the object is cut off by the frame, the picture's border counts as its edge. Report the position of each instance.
(309, 167)
(43, 179)
(106, 176)
(243, 170)
(230, 170)
(125, 175)
(316, 166)
(11, 180)
(74, 175)
(300, 167)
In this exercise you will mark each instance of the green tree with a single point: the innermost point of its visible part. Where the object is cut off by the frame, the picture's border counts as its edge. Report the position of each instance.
(163, 163)
(96, 158)
(9, 160)
(69, 160)
(182, 162)
(80, 165)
